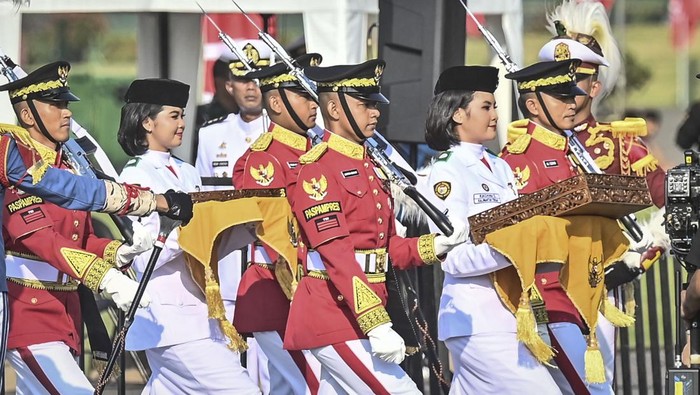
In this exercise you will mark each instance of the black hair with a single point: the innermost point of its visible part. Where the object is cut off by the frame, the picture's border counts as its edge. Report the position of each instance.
(132, 134)
(439, 126)
(221, 69)
(522, 106)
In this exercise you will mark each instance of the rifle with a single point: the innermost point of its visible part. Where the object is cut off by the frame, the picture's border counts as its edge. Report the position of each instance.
(581, 156)
(374, 149)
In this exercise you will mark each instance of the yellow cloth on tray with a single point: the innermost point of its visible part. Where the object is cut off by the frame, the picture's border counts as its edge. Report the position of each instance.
(269, 219)
(584, 245)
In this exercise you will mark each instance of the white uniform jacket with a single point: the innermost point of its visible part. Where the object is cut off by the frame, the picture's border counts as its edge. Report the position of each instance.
(178, 312)
(222, 143)
(465, 186)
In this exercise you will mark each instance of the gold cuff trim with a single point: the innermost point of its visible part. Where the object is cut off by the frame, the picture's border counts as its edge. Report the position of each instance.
(110, 252)
(426, 249)
(373, 319)
(96, 273)
(70, 286)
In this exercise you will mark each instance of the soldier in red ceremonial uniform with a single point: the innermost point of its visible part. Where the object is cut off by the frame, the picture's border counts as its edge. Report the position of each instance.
(344, 207)
(272, 161)
(616, 147)
(538, 153)
(49, 252)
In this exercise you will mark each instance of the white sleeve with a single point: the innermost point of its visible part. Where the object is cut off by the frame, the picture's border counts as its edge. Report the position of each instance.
(202, 162)
(468, 259)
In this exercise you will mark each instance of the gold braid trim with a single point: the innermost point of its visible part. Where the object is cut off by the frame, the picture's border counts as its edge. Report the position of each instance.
(346, 147)
(549, 138)
(40, 87)
(373, 318)
(110, 252)
(372, 278)
(350, 82)
(70, 286)
(534, 84)
(289, 138)
(426, 249)
(277, 80)
(314, 154)
(645, 165)
(262, 142)
(519, 145)
(95, 273)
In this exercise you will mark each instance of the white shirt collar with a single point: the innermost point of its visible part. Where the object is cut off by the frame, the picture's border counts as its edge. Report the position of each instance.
(475, 149)
(158, 157)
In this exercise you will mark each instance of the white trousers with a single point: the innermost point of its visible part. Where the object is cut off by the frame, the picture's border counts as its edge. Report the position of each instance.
(496, 363)
(48, 368)
(570, 373)
(607, 335)
(357, 371)
(204, 366)
(4, 331)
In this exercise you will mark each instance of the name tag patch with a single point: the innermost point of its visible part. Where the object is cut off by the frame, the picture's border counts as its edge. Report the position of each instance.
(219, 163)
(487, 198)
(350, 173)
(551, 163)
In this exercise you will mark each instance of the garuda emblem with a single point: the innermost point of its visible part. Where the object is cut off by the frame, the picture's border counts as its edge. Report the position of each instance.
(316, 189)
(263, 175)
(521, 177)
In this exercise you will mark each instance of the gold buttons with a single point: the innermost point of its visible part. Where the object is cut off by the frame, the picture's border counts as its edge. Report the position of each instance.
(375, 192)
(359, 192)
(381, 235)
(380, 220)
(596, 151)
(247, 139)
(371, 178)
(74, 237)
(366, 165)
(76, 223)
(34, 300)
(543, 281)
(379, 206)
(340, 298)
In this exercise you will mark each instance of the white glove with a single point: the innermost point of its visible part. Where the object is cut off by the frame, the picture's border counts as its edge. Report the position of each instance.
(387, 344)
(444, 244)
(122, 290)
(141, 241)
(642, 245)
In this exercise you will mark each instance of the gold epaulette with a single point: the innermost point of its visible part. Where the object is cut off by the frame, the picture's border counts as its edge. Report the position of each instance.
(262, 142)
(517, 129)
(519, 145)
(629, 127)
(22, 137)
(314, 153)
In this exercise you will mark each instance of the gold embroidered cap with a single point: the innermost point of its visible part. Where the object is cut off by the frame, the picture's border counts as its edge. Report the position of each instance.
(554, 78)
(47, 83)
(279, 76)
(257, 53)
(358, 80)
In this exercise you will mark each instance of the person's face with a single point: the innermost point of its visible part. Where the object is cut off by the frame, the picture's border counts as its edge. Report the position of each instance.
(55, 116)
(247, 95)
(477, 122)
(562, 110)
(301, 103)
(165, 131)
(590, 85)
(365, 113)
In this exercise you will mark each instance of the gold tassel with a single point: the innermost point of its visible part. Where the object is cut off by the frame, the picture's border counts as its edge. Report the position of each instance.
(615, 315)
(215, 304)
(595, 368)
(526, 333)
(236, 341)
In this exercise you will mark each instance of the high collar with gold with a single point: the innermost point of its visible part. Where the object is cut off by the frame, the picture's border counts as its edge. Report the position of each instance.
(547, 137)
(287, 137)
(346, 147)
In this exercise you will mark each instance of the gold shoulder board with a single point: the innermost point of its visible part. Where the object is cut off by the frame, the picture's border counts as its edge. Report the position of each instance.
(519, 145)
(629, 127)
(262, 142)
(314, 153)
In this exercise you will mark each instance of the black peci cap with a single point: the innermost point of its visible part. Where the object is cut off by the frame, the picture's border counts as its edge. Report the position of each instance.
(47, 83)
(159, 91)
(358, 80)
(468, 78)
(697, 76)
(279, 75)
(553, 77)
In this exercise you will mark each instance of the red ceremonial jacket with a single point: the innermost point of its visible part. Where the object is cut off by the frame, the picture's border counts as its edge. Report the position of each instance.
(272, 161)
(343, 204)
(39, 231)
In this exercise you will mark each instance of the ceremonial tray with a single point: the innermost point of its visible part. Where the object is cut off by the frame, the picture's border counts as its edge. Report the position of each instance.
(198, 197)
(612, 196)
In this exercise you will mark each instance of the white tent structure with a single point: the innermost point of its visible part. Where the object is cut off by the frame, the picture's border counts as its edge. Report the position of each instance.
(335, 28)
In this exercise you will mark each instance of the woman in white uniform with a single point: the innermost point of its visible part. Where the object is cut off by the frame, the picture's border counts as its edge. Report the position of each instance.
(186, 350)
(466, 178)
